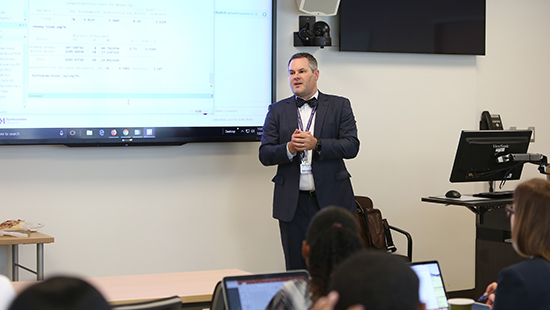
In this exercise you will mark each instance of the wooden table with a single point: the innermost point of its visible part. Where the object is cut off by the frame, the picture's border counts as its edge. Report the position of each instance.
(34, 238)
(194, 288)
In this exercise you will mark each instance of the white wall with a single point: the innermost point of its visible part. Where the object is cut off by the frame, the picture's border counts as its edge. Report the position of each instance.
(117, 211)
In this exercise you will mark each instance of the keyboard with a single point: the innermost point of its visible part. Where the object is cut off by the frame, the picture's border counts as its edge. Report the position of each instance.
(496, 195)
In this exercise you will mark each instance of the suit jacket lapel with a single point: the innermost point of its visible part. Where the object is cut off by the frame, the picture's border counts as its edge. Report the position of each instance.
(322, 107)
(291, 114)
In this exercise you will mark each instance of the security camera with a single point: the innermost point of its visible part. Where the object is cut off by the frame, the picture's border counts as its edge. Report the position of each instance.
(321, 28)
(312, 33)
(305, 34)
(321, 32)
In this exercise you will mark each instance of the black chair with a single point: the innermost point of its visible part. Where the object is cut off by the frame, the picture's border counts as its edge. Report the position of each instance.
(169, 303)
(375, 230)
(217, 298)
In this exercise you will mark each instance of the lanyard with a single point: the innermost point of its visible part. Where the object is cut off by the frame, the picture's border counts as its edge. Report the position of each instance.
(300, 124)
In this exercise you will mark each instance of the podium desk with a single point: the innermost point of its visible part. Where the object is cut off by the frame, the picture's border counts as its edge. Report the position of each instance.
(34, 238)
(480, 206)
(194, 288)
(493, 244)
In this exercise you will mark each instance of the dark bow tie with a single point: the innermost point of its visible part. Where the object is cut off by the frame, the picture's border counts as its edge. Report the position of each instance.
(300, 102)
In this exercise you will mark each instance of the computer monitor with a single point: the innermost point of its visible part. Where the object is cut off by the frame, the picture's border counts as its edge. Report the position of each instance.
(478, 152)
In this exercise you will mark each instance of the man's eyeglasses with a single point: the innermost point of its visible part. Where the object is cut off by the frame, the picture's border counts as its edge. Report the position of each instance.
(509, 210)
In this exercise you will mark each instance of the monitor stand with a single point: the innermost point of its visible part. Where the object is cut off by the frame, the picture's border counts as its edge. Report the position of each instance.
(495, 195)
(491, 186)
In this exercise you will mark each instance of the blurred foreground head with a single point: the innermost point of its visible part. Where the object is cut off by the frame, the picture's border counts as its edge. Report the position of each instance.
(376, 280)
(60, 293)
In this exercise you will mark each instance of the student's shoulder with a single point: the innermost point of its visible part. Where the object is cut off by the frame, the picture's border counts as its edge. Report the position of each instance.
(535, 264)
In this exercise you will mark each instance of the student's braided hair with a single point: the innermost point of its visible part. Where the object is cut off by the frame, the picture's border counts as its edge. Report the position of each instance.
(333, 235)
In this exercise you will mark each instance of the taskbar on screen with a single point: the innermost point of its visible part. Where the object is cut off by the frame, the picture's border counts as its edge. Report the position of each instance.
(127, 135)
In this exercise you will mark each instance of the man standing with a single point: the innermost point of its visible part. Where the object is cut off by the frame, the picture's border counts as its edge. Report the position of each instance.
(307, 135)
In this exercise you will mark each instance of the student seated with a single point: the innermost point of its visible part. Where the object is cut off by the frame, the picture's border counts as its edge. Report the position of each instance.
(60, 293)
(7, 293)
(376, 281)
(328, 302)
(526, 285)
(332, 236)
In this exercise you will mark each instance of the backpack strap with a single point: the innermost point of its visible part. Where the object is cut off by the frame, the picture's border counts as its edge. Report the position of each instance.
(363, 217)
(389, 240)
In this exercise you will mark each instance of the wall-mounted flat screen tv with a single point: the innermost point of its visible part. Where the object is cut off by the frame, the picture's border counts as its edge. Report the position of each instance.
(413, 26)
(135, 72)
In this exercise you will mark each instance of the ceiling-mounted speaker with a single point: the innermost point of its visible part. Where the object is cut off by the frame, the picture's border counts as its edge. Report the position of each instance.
(319, 7)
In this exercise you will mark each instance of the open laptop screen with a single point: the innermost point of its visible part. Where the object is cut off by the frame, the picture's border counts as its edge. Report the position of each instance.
(252, 292)
(432, 290)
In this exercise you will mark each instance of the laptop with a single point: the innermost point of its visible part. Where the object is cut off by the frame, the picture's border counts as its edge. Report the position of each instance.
(252, 292)
(431, 289)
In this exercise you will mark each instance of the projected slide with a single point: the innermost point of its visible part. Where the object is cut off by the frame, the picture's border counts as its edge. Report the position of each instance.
(161, 63)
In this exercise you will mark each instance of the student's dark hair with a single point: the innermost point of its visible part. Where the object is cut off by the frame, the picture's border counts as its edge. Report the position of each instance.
(312, 62)
(60, 293)
(333, 235)
(376, 280)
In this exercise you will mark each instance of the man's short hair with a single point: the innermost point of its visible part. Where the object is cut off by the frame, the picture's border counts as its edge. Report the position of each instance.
(312, 62)
(377, 280)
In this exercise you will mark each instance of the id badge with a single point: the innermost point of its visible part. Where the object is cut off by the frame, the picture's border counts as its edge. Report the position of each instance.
(305, 168)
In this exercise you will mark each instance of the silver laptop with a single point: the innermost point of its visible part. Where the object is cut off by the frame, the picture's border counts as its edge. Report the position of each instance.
(431, 289)
(253, 292)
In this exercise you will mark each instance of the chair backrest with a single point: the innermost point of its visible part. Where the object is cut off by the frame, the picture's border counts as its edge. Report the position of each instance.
(371, 223)
(375, 230)
(217, 298)
(169, 303)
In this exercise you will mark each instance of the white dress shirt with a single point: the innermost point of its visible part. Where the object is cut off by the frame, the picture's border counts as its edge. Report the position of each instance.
(306, 179)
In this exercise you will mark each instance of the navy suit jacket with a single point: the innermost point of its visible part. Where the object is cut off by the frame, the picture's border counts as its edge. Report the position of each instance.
(336, 129)
(525, 285)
